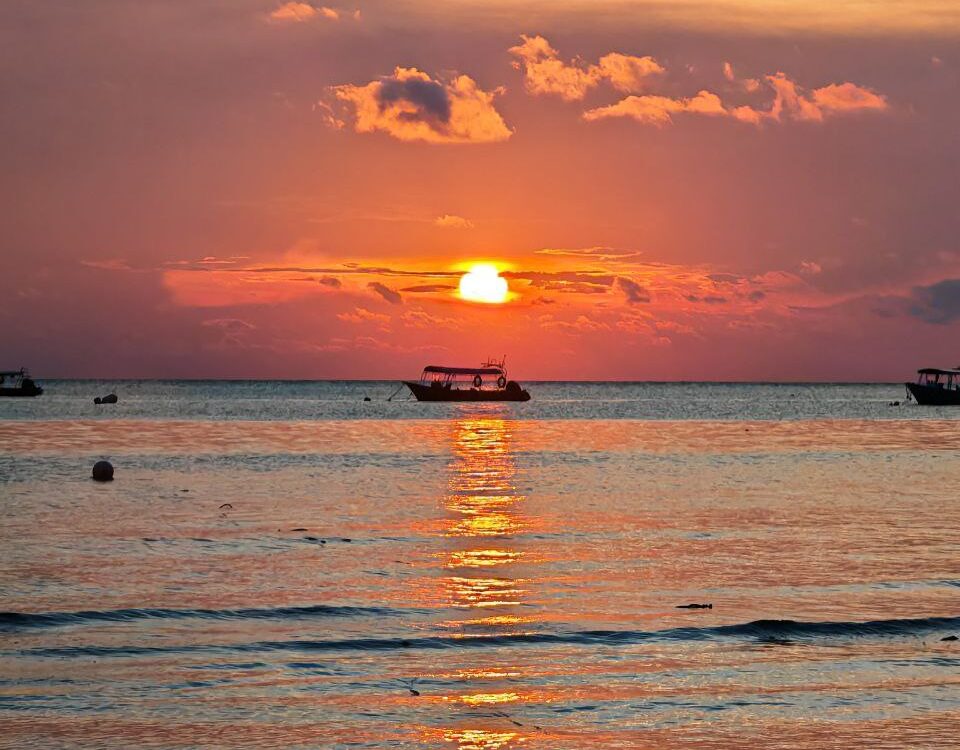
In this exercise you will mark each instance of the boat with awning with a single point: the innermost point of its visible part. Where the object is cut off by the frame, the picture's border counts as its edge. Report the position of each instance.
(488, 382)
(936, 387)
(18, 383)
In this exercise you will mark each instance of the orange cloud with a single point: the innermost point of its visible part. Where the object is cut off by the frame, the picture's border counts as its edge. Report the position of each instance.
(581, 324)
(846, 97)
(453, 222)
(594, 253)
(411, 106)
(423, 319)
(294, 11)
(545, 73)
(298, 12)
(794, 103)
(658, 110)
(791, 102)
(628, 72)
(362, 315)
(748, 84)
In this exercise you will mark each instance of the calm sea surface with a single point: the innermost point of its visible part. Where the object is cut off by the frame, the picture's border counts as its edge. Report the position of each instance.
(286, 565)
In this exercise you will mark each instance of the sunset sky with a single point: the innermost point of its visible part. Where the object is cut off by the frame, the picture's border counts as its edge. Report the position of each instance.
(724, 190)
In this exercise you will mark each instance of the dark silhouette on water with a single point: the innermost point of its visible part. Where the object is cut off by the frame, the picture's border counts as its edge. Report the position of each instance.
(103, 471)
(110, 398)
(18, 383)
(936, 387)
(485, 383)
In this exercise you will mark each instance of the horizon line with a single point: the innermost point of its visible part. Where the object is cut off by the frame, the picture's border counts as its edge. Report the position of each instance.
(618, 381)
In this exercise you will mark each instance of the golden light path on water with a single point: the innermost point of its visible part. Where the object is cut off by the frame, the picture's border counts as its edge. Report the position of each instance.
(483, 513)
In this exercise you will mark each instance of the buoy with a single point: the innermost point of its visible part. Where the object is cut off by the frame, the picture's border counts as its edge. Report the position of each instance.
(103, 471)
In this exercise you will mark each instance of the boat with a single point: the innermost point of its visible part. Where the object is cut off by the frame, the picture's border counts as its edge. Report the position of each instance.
(936, 387)
(16, 383)
(485, 383)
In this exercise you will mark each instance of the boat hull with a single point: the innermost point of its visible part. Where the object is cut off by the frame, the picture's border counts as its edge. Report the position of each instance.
(429, 393)
(931, 395)
(20, 392)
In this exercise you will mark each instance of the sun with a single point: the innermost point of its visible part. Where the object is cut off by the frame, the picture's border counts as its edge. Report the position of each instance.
(483, 283)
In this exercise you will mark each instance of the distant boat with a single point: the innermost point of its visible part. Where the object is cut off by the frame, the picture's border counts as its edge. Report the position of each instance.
(485, 383)
(936, 387)
(16, 383)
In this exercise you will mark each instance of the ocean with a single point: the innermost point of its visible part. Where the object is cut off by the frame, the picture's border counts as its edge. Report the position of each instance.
(283, 564)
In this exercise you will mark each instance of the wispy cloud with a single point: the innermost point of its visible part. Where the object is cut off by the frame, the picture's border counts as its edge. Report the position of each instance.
(595, 253)
(580, 324)
(451, 221)
(423, 319)
(790, 102)
(428, 288)
(362, 315)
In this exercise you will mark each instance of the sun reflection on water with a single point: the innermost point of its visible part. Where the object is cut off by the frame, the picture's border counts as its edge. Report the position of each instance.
(482, 577)
(479, 739)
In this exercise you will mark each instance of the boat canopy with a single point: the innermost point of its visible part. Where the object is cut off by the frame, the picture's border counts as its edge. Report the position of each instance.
(937, 371)
(464, 370)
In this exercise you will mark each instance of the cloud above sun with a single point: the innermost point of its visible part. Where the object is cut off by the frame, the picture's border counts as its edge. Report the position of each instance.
(545, 72)
(410, 105)
(298, 12)
(790, 102)
(658, 110)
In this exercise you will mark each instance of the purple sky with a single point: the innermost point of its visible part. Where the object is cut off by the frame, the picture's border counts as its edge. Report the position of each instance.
(728, 190)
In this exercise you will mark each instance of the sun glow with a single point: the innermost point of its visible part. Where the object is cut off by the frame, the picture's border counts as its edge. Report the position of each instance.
(483, 283)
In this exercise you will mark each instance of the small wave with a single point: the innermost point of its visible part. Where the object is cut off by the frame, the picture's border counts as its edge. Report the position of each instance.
(58, 619)
(795, 629)
(767, 631)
